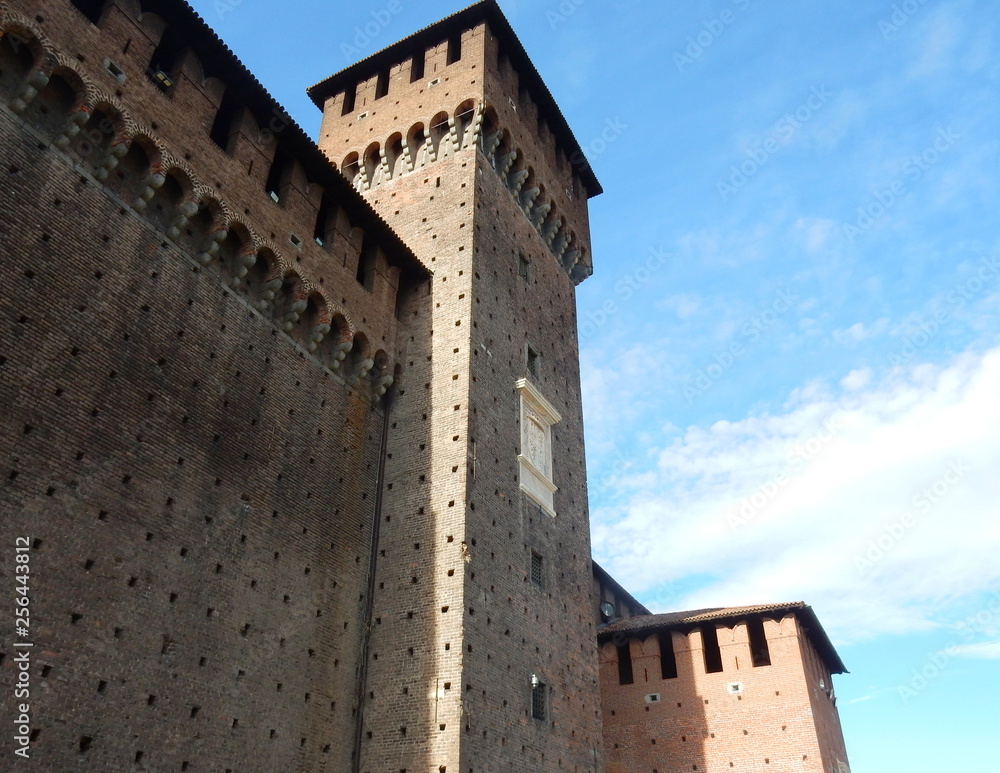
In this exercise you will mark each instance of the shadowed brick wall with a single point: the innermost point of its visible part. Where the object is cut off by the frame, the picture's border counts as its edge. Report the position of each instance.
(191, 392)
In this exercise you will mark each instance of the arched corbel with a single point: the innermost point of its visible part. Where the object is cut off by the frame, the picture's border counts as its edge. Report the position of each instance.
(246, 259)
(293, 313)
(185, 212)
(316, 336)
(72, 127)
(153, 182)
(37, 81)
(528, 198)
(215, 238)
(110, 160)
(491, 143)
(570, 259)
(382, 386)
(517, 180)
(362, 369)
(505, 162)
(550, 229)
(560, 244)
(453, 135)
(477, 126)
(539, 213)
(339, 353)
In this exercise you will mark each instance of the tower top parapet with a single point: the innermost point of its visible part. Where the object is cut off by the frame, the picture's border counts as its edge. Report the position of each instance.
(488, 12)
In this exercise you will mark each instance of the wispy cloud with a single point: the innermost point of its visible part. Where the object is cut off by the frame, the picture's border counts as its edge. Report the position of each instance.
(861, 500)
(981, 651)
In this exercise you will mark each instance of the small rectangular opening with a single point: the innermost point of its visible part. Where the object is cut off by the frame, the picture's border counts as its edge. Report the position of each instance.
(624, 664)
(668, 660)
(454, 48)
(524, 267)
(323, 219)
(366, 262)
(534, 364)
(350, 96)
(382, 85)
(417, 68)
(279, 174)
(759, 652)
(539, 700)
(537, 567)
(226, 121)
(713, 655)
(167, 58)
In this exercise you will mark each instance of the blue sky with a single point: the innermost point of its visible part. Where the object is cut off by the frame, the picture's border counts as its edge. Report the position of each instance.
(791, 344)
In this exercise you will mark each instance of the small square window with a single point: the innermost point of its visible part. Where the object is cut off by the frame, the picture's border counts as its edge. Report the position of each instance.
(537, 570)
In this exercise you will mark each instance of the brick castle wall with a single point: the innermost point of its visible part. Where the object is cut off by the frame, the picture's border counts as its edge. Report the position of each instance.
(195, 463)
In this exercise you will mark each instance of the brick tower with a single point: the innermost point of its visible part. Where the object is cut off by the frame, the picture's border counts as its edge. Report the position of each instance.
(726, 689)
(481, 651)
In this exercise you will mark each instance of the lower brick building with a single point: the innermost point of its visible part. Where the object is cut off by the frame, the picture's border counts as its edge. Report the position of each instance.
(743, 689)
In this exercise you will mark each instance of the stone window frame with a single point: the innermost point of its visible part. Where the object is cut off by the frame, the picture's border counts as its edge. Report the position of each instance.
(537, 416)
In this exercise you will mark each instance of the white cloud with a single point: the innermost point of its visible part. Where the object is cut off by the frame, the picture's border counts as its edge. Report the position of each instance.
(856, 379)
(875, 504)
(860, 332)
(981, 651)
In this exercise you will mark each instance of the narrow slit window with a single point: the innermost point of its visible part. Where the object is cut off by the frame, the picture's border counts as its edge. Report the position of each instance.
(534, 362)
(418, 66)
(382, 85)
(539, 699)
(759, 652)
(323, 216)
(350, 97)
(625, 664)
(278, 175)
(366, 263)
(713, 655)
(167, 58)
(227, 121)
(454, 48)
(537, 570)
(524, 268)
(668, 660)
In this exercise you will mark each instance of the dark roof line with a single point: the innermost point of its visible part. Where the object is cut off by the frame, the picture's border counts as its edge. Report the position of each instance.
(218, 60)
(488, 11)
(607, 579)
(690, 619)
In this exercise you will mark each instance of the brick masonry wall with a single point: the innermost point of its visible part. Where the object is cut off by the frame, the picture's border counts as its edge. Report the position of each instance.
(200, 483)
(775, 722)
